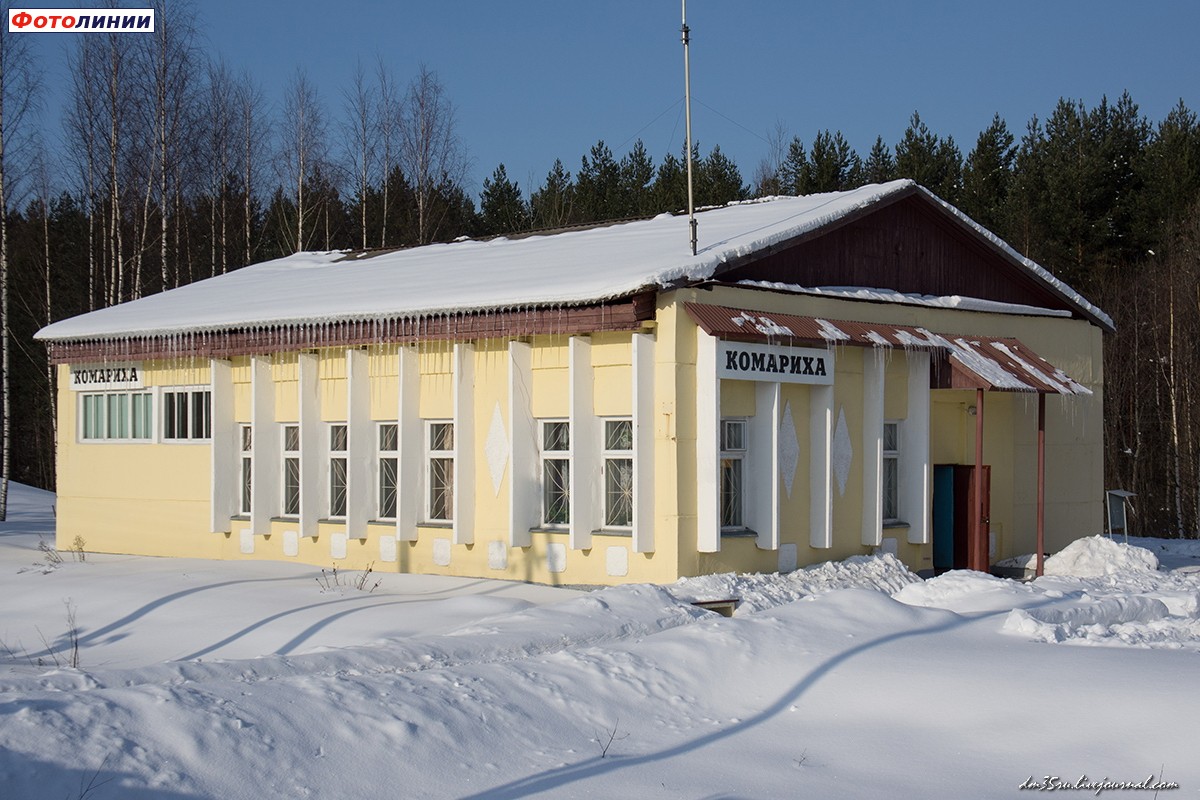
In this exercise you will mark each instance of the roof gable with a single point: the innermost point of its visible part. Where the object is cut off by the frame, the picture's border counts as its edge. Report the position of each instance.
(911, 243)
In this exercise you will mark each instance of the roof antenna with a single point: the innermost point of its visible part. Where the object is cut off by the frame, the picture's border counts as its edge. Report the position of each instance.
(687, 101)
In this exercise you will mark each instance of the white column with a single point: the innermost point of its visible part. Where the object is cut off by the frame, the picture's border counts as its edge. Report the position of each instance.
(708, 443)
(873, 388)
(359, 444)
(410, 447)
(524, 497)
(916, 472)
(762, 479)
(265, 456)
(464, 444)
(587, 479)
(643, 443)
(314, 449)
(821, 466)
(225, 463)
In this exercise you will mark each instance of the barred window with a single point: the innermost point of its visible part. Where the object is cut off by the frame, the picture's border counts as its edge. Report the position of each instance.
(618, 473)
(556, 472)
(890, 485)
(733, 472)
(388, 462)
(440, 453)
(337, 470)
(247, 439)
(291, 470)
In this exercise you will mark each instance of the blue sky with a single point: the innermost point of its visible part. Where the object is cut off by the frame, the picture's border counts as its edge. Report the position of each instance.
(533, 80)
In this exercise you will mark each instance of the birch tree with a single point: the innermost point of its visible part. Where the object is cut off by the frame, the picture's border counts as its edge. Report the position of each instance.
(359, 130)
(16, 103)
(301, 151)
(431, 154)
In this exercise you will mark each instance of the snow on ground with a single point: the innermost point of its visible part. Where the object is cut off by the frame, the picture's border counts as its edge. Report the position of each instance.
(851, 679)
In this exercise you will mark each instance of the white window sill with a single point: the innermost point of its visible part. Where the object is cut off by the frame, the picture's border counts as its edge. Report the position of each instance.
(738, 533)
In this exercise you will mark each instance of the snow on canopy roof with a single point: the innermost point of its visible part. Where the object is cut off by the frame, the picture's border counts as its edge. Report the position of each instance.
(569, 268)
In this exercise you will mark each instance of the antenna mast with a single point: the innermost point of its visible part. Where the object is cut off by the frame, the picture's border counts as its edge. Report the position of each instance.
(687, 101)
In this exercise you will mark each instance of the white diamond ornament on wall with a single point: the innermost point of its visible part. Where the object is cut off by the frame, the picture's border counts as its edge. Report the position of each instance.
(789, 448)
(495, 449)
(842, 452)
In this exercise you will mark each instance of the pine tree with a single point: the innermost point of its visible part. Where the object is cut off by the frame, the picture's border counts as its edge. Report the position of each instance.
(636, 175)
(832, 164)
(598, 185)
(669, 191)
(1171, 169)
(987, 175)
(879, 167)
(720, 180)
(794, 169)
(933, 162)
(553, 205)
(502, 208)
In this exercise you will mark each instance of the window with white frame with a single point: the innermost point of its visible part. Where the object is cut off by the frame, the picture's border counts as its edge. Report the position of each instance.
(187, 414)
(291, 470)
(890, 480)
(247, 440)
(618, 473)
(733, 473)
(389, 460)
(556, 472)
(440, 454)
(116, 416)
(337, 470)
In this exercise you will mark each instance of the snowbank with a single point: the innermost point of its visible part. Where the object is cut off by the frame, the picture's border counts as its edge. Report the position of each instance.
(883, 573)
(1096, 556)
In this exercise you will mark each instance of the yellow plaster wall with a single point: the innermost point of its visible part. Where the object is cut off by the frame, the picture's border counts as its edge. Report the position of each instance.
(1074, 425)
(384, 369)
(550, 374)
(436, 366)
(132, 497)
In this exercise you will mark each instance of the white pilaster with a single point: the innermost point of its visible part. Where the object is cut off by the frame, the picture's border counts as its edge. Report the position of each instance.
(314, 449)
(873, 388)
(410, 447)
(587, 478)
(820, 438)
(266, 458)
(916, 472)
(524, 497)
(762, 500)
(643, 443)
(359, 444)
(464, 443)
(708, 443)
(225, 463)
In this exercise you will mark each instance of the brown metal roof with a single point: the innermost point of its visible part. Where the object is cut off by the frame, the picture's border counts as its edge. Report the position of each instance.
(961, 361)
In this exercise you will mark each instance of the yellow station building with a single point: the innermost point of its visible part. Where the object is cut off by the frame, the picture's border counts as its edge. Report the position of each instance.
(598, 406)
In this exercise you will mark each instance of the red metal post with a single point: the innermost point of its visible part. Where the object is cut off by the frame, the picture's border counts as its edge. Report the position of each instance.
(1041, 479)
(980, 560)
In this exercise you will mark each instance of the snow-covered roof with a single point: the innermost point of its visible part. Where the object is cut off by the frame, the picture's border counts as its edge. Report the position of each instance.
(563, 269)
